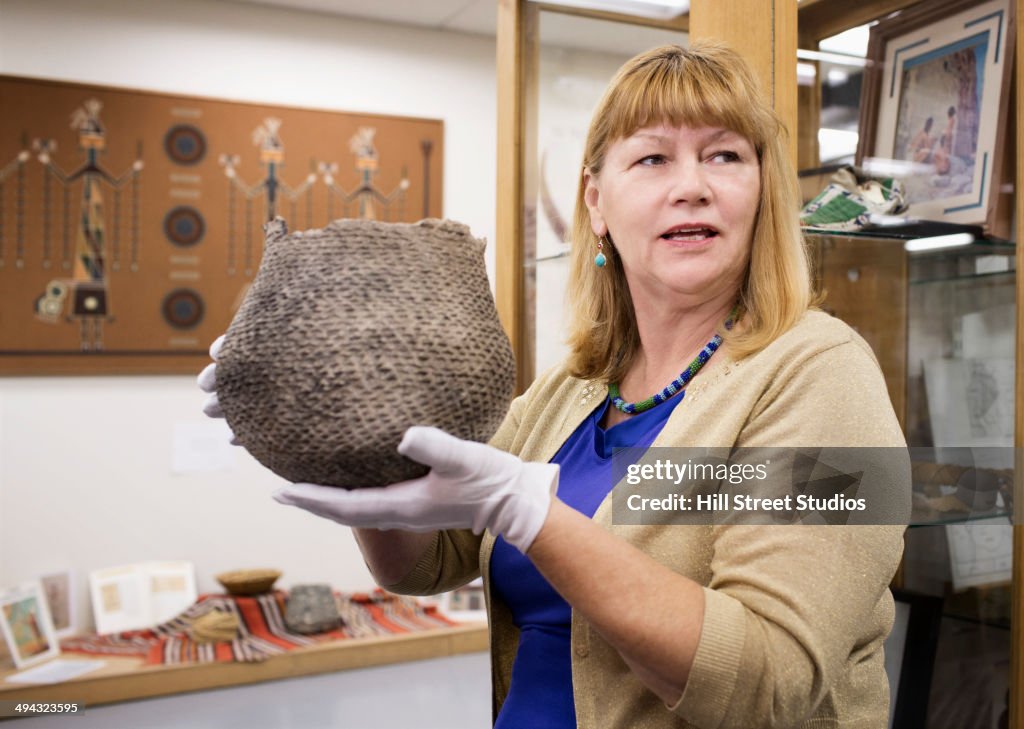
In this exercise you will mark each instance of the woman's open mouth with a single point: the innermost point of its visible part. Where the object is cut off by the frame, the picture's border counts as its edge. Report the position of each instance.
(690, 233)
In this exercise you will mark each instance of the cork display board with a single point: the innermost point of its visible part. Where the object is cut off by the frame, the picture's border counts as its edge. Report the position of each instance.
(131, 223)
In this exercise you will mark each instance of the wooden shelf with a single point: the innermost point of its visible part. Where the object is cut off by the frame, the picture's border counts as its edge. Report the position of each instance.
(126, 679)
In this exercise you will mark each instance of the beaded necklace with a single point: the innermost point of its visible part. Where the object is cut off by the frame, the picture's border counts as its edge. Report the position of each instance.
(632, 408)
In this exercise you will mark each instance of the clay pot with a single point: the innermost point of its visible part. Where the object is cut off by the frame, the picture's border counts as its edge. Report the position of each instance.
(351, 334)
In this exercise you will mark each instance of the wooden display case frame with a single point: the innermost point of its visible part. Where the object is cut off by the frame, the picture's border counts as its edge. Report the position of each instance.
(128, 679)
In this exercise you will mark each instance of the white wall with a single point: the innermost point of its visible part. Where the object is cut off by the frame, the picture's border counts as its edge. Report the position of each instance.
(85, 463)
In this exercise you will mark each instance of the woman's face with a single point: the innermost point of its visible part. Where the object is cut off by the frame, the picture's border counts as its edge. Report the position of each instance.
(679, 204)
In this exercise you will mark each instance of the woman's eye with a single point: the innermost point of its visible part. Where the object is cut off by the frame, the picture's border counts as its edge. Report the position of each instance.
(725, 156)
(651, 159)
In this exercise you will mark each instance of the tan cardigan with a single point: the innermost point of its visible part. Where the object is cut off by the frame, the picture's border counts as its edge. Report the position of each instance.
(795, 616)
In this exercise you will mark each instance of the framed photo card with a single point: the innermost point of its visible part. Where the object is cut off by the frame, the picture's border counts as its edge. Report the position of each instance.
(59, 588)
(27, 625)
(935, 108)
(465, 603)
(141, 595)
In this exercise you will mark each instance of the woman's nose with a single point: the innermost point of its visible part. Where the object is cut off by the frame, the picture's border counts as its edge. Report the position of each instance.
(690, 185)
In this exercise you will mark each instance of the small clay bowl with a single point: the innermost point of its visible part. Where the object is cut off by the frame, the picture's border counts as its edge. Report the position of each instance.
(248, 582)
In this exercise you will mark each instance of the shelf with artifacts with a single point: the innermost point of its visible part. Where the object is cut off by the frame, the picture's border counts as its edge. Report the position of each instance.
(126, 679)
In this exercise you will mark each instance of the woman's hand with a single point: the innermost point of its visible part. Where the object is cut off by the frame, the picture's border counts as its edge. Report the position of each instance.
(470, 486)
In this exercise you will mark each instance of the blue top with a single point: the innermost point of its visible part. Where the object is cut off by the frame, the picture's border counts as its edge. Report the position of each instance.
(540, 696)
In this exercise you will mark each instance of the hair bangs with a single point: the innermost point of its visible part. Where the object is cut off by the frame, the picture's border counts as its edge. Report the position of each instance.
(675, 89)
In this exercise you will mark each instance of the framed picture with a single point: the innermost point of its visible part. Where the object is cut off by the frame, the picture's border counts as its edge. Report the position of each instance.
(465, 603)
(935, 109)
(27, 626)
(981, 552)
(59, 588)
(130, 235)
(141, 595)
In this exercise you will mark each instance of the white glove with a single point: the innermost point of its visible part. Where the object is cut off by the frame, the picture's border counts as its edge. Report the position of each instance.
(470, 486)
(207, 382)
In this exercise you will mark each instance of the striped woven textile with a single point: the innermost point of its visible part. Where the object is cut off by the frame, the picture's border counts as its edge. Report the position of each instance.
(262, 632)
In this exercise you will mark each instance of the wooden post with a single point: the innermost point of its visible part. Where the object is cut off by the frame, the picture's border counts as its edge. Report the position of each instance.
(508, 253)
(516, 41)
(1017, 601)
(764, 32)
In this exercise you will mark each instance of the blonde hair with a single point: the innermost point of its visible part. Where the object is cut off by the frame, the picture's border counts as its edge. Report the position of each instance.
(705, 85)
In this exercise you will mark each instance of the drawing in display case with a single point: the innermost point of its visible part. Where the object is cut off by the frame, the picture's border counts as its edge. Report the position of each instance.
(942, 323)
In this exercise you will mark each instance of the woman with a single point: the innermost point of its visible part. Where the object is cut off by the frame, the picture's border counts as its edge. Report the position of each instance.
(685, 226)
(922, 144)
(944, 152)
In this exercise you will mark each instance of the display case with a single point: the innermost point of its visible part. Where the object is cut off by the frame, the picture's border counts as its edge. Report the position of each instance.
(941, 320)
(942, 323)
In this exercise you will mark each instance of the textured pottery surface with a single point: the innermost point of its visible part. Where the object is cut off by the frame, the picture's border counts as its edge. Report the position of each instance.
(311, 609)
(351, 334)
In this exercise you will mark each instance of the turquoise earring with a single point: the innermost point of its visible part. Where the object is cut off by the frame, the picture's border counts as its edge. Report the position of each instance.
(600, 260)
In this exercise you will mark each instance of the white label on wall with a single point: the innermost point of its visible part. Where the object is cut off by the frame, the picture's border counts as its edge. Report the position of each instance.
(202, 448)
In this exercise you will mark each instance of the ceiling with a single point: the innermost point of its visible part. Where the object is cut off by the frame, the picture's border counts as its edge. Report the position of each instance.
(469, 16)
(480, 17)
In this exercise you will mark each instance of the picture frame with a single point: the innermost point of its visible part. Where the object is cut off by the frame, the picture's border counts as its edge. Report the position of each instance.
(140, 595)
(132, 234)
(61, 599)
(26, 624)
(950, 62)
(980, 553)
(466, 603)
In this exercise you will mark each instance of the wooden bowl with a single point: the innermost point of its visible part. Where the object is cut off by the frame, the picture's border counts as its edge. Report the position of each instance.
(248, 582)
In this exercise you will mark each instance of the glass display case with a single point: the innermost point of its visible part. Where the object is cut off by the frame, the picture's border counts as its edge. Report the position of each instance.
(943, 325)
(570, 78)
(889, 82)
